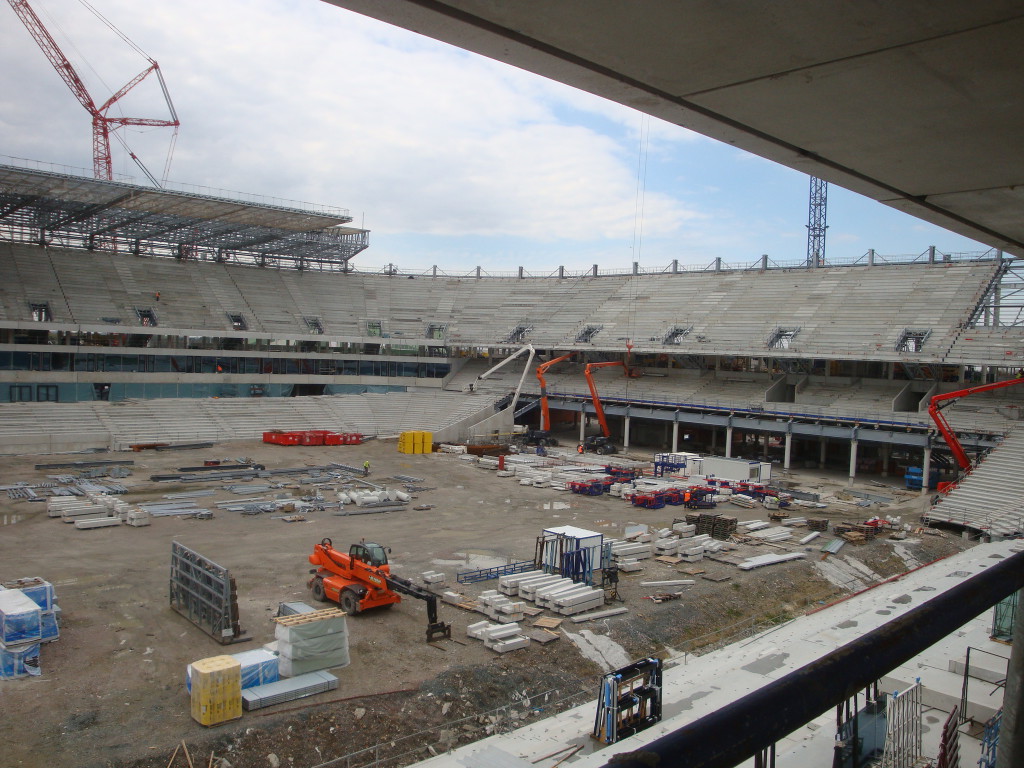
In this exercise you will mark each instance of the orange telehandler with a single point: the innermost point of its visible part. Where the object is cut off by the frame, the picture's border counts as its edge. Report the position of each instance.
(362, 579)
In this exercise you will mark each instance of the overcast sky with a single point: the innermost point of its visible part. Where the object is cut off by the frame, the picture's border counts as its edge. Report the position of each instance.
(447, 157)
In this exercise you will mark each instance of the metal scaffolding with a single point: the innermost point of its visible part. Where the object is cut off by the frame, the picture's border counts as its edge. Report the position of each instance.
(53, 209)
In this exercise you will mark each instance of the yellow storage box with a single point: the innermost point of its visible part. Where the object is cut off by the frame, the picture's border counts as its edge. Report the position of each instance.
(216, 690)
(406, 442)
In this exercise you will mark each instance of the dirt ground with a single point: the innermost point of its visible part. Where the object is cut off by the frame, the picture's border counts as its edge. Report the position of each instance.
(112, 688)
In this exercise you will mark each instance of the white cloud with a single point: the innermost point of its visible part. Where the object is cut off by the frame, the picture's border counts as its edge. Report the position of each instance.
(450, 156)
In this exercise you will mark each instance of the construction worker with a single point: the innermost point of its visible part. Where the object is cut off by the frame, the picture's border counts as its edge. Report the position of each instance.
(579, 448)
(366, 468)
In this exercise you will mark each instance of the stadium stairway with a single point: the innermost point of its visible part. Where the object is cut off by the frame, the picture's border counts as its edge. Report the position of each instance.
(990, 499)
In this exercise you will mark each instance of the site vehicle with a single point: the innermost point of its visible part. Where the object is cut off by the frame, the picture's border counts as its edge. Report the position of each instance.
(537, 437)
(599, 444)
(361, 579)
(938, 402)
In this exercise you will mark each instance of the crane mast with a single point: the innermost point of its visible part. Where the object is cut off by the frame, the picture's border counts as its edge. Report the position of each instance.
(102, 123)
(817, 210)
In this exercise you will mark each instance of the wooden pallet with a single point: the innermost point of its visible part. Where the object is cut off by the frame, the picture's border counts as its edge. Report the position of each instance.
(547, 623)
(306, 618)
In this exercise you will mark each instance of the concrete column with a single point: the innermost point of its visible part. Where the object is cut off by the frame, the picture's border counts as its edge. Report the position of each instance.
(822, 451)
(789, 450)
(886, 451)
(1010, 750)
(625, 432)
(926, 468)
(728, 442)
(853, 460)
(675, 437)
(714, 440)
(583, 425)
(764, 439)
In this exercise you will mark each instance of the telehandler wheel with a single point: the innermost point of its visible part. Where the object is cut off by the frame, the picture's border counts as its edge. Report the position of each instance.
(317, 588)
(349, 602)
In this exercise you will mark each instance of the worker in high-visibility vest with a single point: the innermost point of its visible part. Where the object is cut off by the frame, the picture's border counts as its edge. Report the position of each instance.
(366, 468)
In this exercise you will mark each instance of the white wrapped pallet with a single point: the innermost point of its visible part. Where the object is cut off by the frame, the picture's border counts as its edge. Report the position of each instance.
(312, 641)
(20, 618)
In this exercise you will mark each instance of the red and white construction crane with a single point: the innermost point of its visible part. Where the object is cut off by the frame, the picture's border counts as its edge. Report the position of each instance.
(103, 123)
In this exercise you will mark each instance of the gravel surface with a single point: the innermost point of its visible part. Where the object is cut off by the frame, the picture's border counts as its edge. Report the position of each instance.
(112, 687)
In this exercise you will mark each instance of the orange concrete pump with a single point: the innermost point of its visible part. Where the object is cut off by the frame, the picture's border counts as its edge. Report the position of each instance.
(362, 579)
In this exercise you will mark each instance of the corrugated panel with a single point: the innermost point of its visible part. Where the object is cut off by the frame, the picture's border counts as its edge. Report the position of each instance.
(288, 690)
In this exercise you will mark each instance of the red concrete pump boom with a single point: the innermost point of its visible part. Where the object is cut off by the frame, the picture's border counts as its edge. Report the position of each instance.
(545, 414)
(598, 408)
(938, 402)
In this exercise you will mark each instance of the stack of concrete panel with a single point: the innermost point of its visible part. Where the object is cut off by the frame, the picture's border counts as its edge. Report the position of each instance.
(97, 522)
(772, 534)
(685, 530)
(509, 584)
(757, 562)
(57, 506)
(528, 587)
(500, 608)
(312, 641)
(634, 551)
(578, 600)
(83, 511)
(137, 518)
(500, 638)
(666, 546)
(434, 577)
(545, 596)
(742, 500)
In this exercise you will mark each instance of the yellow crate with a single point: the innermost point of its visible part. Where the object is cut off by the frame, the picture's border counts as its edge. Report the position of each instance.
(428, 442)
(216, 690)
(406, 442)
